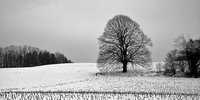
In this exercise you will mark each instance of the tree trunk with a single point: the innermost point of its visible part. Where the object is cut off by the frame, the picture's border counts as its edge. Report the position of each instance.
(194, 69)
(183, 67)
(124, 67)
(174, 70)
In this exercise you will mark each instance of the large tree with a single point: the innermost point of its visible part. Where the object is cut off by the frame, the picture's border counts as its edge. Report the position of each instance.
(123, 42)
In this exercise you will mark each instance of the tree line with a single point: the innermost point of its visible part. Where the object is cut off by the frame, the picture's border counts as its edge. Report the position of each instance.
(184, 59)
(27, 56)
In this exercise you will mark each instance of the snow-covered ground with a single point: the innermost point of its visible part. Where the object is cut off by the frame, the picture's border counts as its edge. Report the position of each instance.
(45, 75)
(82, 77)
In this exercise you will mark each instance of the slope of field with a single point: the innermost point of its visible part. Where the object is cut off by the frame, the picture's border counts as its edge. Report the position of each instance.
(82, 77)
(17, 78)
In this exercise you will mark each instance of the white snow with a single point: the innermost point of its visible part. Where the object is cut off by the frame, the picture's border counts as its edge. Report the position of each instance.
(82, 77)
(45, 75)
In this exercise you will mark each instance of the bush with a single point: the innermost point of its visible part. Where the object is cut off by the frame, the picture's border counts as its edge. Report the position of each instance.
(180, 74)
(159, 67)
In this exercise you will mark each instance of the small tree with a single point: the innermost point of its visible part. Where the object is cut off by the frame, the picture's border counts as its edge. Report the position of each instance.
(170, 62)
(123, 42)
(60, 58)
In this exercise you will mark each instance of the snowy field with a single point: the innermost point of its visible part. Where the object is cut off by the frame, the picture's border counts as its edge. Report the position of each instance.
(21, 78)
(82, 77)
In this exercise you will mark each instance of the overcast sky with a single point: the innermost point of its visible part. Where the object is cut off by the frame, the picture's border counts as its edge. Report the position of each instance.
(73, 26)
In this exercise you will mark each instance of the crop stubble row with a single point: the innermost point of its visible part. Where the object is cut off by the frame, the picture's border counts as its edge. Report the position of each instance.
(83, 95)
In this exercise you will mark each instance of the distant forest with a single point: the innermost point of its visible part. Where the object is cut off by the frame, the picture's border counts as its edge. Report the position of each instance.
(27, 56)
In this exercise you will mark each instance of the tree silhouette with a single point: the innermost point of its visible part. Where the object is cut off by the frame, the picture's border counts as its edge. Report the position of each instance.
(53, 59)
(190, 52)
(171, 63)
(27, 56)
(123, 42)
(61, 58)
(35, 59)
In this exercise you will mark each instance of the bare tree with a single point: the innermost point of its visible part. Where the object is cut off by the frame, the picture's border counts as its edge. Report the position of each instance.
(123, 42)
(190, 52)
(171, 63)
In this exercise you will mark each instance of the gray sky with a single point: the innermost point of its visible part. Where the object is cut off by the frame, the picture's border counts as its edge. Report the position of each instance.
(73, 26)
